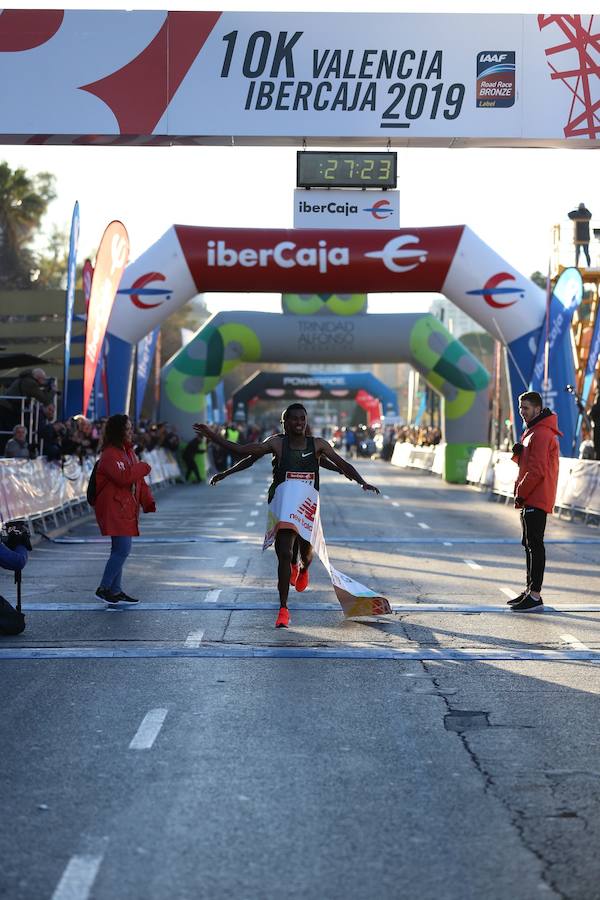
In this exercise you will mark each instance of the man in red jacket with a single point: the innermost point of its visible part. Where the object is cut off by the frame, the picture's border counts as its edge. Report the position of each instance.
(537, 456)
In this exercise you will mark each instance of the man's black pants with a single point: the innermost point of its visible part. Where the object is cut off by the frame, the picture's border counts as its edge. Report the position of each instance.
(533, 524)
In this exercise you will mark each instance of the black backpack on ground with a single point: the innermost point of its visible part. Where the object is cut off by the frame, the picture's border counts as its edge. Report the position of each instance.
(12, 621)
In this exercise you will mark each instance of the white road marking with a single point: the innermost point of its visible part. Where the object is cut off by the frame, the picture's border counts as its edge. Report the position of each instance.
(423, 525)
(471, 564)
(212, 596)
(78, 878)
(260, 503)
(573, 642)
(251, 523)
(509, 593)
(194, 638)
(447, 544)
(395, 503)
(149, 729)
(255, 512)
(385, 497)
(409, 515)
(342, 651)
(230, 562)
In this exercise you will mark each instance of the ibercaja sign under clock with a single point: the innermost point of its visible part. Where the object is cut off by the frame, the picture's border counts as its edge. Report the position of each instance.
(495, 79)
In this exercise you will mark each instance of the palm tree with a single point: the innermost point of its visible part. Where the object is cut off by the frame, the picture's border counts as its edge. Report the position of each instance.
(24, 201)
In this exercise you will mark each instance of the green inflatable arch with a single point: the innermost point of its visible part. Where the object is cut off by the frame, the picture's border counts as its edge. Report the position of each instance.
(229, 338)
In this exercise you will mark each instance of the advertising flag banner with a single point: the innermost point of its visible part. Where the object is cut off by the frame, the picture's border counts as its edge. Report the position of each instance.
(110, 263)
(145, 357)
(70, 303)
(296, 505)
(565, 299)
(592, 358)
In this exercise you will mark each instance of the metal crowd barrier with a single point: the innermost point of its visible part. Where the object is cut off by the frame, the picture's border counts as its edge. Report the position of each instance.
(409, 456)
(494, 471)
(51, 494)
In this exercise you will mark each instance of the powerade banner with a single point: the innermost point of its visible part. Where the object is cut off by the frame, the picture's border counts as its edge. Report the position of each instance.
(145, 357)
(110, 263)
(70, 302)
(270, 77)
(565, 299)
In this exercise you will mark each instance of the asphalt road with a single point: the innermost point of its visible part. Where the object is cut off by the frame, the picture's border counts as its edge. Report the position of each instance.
(186, 749)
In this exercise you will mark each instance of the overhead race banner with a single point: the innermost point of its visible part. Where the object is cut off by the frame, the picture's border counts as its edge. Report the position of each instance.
(346, 209)
(110, 263)
(266, 78)
(70, 301)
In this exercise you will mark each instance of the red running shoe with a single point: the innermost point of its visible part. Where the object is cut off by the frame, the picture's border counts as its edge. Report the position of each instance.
(283, 619)
(294, 573)
(302, 580)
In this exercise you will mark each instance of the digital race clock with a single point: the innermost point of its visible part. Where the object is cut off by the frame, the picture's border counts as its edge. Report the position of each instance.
(344, 170)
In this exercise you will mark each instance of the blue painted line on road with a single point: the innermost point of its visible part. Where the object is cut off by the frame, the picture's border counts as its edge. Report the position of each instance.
(198, 538)
(340, 652)
(300, 607)
(189, 539)
(452, 539)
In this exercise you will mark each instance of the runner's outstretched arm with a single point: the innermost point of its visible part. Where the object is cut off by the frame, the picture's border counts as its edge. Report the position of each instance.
(327, 464)
(255, 449)
(232, 470)
(325, 449)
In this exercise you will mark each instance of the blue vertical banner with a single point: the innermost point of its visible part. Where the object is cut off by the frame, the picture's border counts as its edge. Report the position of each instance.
(566, 297)
(70, 301)
(592, 359)
(145, 358)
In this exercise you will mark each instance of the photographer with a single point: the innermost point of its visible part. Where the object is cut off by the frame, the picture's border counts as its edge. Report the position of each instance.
(14, 546)
(13, 555)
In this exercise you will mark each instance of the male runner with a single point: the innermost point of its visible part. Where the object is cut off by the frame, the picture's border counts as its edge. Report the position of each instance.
(294, 453)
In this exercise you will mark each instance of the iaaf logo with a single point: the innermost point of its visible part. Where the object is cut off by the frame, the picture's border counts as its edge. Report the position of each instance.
(287, 255)
(492, 288)
(138, 289)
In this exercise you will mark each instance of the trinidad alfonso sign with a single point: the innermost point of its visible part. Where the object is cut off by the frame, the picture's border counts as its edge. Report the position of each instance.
(265, 77)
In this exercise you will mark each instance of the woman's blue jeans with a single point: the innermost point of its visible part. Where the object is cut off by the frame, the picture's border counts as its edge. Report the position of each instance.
(119, 551)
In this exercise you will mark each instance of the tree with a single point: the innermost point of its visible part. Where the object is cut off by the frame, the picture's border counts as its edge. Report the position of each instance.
(24, 201)
(52, 264)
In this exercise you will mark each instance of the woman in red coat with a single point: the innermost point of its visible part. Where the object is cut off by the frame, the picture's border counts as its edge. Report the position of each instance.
(120, 491)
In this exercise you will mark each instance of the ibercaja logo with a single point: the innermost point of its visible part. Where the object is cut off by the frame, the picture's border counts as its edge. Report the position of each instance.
(495, 79)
